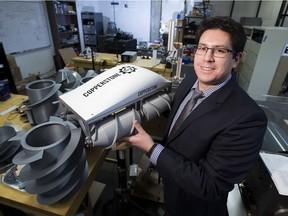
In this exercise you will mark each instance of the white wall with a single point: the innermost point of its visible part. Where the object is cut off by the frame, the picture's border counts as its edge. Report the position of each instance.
(170, 8)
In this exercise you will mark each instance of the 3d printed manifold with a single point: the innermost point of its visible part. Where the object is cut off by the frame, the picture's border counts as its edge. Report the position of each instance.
(107, 105)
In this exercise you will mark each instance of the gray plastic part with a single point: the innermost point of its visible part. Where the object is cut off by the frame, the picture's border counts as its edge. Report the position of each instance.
(58, 159)
(29, 172)
(6, 133)
(85, 79)
(69, 79)
(154, 106)
(8, 146)
(38, 186)
(106, 133)
(43, 100)
(115, 127)
(43, 144)
(8, 154)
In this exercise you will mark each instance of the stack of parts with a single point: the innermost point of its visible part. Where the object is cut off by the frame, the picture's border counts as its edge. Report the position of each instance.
(55, 162)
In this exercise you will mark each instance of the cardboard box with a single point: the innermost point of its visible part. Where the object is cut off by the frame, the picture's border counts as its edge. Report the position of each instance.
(21, 85)
(11, 61)
(15, 70)
(146, 184)
(16, 73)
(67, 54)
(70, 8)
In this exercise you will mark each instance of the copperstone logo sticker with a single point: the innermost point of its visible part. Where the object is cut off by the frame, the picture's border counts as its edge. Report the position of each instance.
(127, 69)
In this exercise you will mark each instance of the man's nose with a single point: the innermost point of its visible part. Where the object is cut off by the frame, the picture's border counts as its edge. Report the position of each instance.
(209, 55)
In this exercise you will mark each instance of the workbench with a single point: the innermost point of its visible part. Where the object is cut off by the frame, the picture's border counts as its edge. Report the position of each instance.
(27, 202)
(109, 60)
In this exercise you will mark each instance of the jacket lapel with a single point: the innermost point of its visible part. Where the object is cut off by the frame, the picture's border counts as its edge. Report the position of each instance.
(209, 104)
(181, 93)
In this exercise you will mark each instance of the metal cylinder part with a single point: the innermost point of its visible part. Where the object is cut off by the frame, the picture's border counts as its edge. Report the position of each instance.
(114, 128)
(43, 100)
(6, 133)
(85, 79)
(156, 105)
(38, 90)
(8, 147)
(54, 158)
(68, 79)
(43, 144)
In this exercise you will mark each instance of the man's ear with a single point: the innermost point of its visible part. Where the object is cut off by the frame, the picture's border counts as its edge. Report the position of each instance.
(237, 58)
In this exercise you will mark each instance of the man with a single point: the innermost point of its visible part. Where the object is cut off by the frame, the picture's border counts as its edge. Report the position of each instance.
(218, 143)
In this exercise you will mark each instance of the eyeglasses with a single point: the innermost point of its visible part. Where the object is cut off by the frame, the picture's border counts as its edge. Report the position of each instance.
(216, 52)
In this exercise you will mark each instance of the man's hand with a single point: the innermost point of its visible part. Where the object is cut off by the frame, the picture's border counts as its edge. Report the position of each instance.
(141, 139)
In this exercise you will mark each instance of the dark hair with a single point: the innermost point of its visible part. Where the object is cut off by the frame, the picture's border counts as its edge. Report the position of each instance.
(233, 28)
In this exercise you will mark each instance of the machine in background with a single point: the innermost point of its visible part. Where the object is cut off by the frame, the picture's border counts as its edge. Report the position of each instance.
(258, 191)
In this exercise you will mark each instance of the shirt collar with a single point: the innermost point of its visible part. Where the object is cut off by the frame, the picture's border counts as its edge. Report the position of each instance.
(208, 92)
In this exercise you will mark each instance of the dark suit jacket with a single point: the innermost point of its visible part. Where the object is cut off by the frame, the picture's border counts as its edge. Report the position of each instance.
(214, 148)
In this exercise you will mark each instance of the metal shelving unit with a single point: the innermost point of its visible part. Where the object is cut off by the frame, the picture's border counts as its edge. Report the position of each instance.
(92, 27)
(186, 29)
(64, 27)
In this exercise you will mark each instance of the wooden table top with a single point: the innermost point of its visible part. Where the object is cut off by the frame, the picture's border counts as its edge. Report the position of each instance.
(13, 116)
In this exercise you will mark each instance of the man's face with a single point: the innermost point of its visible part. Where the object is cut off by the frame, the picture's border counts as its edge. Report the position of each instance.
(213, 70)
